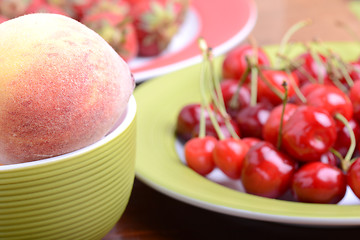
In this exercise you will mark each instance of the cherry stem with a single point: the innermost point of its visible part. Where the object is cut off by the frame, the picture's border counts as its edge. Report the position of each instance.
(343, 70)
(272, 88)
(234, 98)
(319, 62)
(217, 96)
(204, 98)
(296, 87)
(253, 86)
(299, 67)
(284, 102)
(290, 32)
(341, 66)
(346, 161)
(351, 31)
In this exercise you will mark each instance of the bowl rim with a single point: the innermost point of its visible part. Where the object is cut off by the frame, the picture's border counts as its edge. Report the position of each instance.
(128, 118)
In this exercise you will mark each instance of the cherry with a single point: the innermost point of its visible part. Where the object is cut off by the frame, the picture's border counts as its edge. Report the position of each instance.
(188, 119)
(229, 155)
(353, 176)
(235, 63)
(276, 79)
(355, 72)
(355, 99)
(211, 131)
(309, 133)
(266, 171)
(198, 154)
(228, 88)
(315, 69)
(251, 141)
(306, 89)
(330, 158)
(271, 127)
(331, 99)
(343, 139)
(318, 182)
(251, 120)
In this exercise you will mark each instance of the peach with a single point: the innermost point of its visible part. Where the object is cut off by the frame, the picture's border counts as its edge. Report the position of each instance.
(62, 87)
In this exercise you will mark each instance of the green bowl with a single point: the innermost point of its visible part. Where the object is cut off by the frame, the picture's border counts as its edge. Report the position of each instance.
(79, 195)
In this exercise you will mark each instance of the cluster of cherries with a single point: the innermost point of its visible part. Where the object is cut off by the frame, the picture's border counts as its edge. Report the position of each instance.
(277, 129)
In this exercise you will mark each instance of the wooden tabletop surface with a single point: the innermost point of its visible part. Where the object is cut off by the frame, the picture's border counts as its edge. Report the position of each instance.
(152, 215)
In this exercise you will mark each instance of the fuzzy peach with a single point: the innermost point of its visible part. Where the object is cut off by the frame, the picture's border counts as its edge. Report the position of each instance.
(62, 87)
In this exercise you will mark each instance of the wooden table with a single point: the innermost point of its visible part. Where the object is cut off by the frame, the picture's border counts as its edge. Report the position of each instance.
(152, 215)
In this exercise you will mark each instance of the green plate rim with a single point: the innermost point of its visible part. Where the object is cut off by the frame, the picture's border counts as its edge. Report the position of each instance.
(158, 165)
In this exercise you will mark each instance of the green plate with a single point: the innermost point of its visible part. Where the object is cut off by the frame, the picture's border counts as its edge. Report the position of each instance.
(158, 163)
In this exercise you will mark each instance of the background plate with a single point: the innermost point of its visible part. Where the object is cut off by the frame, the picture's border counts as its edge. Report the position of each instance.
(158, 164)
(223, 25)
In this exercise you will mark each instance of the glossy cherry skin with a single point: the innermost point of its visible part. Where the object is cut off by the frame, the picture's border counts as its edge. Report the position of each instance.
(353, 177)
(266, 171)
(275, 78)
(306, 89)
(318, 182)
(251, 120)
(330, 158)
(343, 140)
(355, 99)
(331, 99)
(355, 73)
(210, 129)
(188, 119)
(251, 141)
(235, 63)
(310, 65)
(198, 154)
(229, 155)
(309, 133)
(228, 89)
(271, 127)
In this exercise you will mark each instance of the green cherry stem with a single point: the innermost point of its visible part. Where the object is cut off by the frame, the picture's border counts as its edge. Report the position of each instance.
(346, 161)
(290, 32)
(272, 88)
(284, 102)
(234, 99)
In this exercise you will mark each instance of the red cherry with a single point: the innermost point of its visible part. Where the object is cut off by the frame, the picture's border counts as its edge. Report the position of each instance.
(343, 140)
(353, 177)
(198, 154)
(251, 120)
(271, 127)
(318, 182)
(189, 118)
(316, 69)
(275, 78)
(266, 171)
(330, 158)
(211, 131)
(235, 63)
(355, 72)
(251, 141)
(306, 89)
(229, 155)
(355, 99)
(331, 99)
(309, 133)
(228, 89)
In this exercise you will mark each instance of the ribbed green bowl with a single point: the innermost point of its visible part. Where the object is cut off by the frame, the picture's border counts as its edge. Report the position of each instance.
(80, 195)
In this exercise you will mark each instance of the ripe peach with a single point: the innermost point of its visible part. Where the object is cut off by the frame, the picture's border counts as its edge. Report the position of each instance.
(62, 87)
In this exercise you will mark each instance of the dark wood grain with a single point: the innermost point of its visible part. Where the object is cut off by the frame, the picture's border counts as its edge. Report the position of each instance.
(152, 215)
